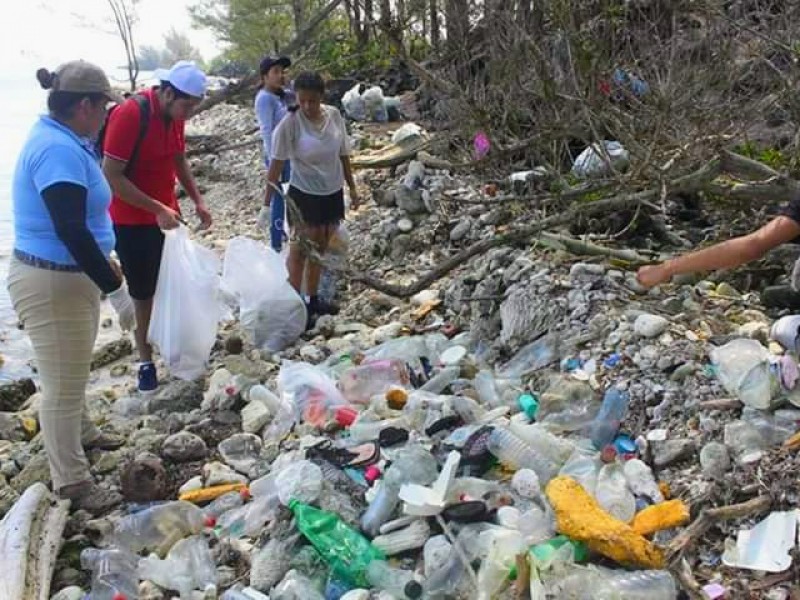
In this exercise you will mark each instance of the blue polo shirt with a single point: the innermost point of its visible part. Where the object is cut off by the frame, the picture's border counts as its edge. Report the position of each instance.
(52, 154)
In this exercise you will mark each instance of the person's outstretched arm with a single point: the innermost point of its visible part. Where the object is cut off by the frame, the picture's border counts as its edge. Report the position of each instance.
(725, 255)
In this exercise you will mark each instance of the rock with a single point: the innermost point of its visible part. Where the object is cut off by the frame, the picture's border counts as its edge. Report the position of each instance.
(311, 353)
(400, 246)
(725, 289)
(405, 225)
(38, 469)
(13, 395)
(755, 330)
(425, 297)
(384, 197)
(254, 416)
(650, 326)
(8, 496)
(326, 326)
(254, 369)
(184, 447)
(144, 479)
(410, 201)
(67, 578)
(216, 473)
(17, 427)
(671, 451)
(147, 440)
(120, 370)
(178, 396)
(460, 231)
(108, 462)
(241, 451)
(387, 332)
(112, 352)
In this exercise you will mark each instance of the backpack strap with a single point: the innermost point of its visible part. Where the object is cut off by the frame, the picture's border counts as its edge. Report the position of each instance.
(144, 123)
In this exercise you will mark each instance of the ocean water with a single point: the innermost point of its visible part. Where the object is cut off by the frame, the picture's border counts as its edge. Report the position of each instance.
(22, 100)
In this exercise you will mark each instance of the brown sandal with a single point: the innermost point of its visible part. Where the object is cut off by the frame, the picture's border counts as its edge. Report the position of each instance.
(90, 497)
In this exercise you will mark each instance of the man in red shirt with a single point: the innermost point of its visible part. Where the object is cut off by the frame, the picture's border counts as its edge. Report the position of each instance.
(144, 200)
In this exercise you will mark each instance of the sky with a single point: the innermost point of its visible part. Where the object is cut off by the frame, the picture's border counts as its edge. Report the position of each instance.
(45, 33)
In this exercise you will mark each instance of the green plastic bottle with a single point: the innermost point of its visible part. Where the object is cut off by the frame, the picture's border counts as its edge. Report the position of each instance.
(343, 548)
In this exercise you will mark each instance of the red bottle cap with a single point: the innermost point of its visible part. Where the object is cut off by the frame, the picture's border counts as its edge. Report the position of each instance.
(120, 596)
(210, 522)
(245, 494)
(345, 415)
(608, 454)
(371, 474)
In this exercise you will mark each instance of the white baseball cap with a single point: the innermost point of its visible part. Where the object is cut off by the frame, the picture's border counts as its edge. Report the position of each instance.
(185, 76)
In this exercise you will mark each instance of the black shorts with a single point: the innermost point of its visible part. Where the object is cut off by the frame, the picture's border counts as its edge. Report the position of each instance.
(139, 249)
(318, 210)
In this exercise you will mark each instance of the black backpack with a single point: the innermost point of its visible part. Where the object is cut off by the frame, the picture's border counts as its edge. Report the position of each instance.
(144, 123)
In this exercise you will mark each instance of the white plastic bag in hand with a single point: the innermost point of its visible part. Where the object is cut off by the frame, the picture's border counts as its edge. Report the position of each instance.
(187, 305)
(270, 310)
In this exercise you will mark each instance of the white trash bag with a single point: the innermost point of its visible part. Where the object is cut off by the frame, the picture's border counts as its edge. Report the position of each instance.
(354, 104)
(187, 305)
(592, 162)
(376, 109)
(271, 312)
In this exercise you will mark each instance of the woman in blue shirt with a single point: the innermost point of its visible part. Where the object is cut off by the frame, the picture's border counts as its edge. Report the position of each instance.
(272, 104)
(63, 239)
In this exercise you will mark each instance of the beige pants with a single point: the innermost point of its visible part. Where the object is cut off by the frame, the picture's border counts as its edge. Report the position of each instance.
(60, 312)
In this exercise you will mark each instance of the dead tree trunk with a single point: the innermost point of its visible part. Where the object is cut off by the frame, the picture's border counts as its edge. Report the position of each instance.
(434, 25)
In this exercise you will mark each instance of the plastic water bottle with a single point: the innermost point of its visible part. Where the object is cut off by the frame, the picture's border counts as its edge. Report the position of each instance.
(188, 567)
(641, 480)
(361, 383)
(613, 495)
(555, 448)
(643, 585)
(260, 393)
(439, 382)
(113, 573)
(399, 583)
(158, 528)
(515, 453)
(222, 505)
(583, 469)
(612, 413)
(413, 464)
(486, 388)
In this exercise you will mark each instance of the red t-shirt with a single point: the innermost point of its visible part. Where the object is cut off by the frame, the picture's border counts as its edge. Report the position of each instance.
(154, 170)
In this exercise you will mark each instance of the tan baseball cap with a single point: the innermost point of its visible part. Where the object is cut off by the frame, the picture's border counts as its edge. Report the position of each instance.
(82, 77)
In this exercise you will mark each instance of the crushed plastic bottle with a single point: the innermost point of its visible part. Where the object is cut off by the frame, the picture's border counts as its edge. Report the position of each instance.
(715, 461)
(158, 528)
(344, 549)
(399, 583)
(555, 448)
(271, 562)
(262, 394)
(299, 481)
(567, 405)
(296, 586)
(573, 581)
(221, 505)
(642, 585)
(503, 548)
(487, 390)
(439, 382)
(641, 480)
(189, 566)
(360, 384)
(534, 356)
(743, 369)
(612, 493)
(413, 464)
(513, 452)
(745, 440)
(603, 429)
(584, 469)
(113, 573)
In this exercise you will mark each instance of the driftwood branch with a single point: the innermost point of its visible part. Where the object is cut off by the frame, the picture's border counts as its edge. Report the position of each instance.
(708, 517)
(691, 182)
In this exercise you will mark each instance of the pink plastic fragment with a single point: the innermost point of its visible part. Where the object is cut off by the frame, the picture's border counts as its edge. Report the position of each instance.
(481, 144)
(715, 591)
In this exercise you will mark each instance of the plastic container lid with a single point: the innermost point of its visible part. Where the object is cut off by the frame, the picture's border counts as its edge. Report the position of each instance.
(529, 405)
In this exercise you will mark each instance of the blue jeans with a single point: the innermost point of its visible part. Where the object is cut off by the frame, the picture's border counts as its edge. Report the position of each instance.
(277, 215)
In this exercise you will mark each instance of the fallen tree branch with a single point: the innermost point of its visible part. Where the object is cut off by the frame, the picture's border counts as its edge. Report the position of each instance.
(708, 517)
(691, 182)
(683, 573)
(581, 247)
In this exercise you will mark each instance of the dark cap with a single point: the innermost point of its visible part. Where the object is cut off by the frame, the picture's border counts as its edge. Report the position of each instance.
(270, 61)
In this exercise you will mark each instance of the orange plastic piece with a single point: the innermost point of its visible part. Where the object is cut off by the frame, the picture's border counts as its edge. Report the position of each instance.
(396, 398)
(211, 493)
(664, 515)
(664, 487)
(580, 518)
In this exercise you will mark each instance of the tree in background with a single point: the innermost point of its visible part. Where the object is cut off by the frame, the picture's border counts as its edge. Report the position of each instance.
(124, 15)
(178, 47)
(150, 58)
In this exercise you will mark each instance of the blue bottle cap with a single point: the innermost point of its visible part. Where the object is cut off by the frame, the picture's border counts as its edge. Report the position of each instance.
(624, 444)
